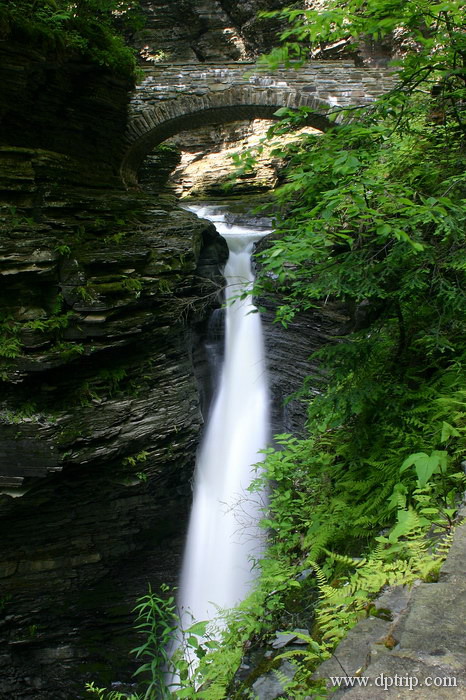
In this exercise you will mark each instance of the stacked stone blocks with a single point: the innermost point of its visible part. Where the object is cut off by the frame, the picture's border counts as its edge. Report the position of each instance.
(172, 98)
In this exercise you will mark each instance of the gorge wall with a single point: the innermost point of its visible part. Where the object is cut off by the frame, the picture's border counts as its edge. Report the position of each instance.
(102, 292)
(197, 30)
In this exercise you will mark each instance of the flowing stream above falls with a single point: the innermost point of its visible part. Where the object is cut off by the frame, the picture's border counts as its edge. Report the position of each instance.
(223, 536)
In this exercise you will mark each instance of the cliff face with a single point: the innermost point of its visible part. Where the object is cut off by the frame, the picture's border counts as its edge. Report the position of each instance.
(102, 292)
(289, 362)
(204, 165)
(98, 437)
(62, 104)
(197, 30)
(219, 31)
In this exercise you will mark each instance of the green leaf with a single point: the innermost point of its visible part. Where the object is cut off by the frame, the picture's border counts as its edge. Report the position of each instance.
(276, 252)
(426, 465)
(412, 459)
(398, 497)
(199, 628)
(282, 112)
(429, 511)
(448, 431)
(384, 230)
(406, 520)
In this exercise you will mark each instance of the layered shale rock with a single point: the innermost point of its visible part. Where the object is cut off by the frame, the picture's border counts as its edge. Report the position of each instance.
(191, 30)
(100, 417)
(62, 105)
(102, 295)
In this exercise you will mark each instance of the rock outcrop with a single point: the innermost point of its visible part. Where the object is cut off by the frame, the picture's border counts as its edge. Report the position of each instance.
(230, 30)
(100, 412)
(199, 163)
(415, 651)
(61, 104)
(207, 167)
(196, 30)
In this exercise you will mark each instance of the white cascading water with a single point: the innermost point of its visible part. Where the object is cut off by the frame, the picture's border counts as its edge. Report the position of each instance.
(223, 537)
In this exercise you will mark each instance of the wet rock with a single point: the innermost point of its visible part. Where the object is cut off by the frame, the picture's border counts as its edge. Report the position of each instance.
(428, 657)
(269, 687)
(99, 417)
(282, 639)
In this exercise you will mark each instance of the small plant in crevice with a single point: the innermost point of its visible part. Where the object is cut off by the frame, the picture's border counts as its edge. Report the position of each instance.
(12, 343)
(4, 601)
(111, 379)
(117, 238)
(33, 631)
(133, 461)
(63, 249)
(133, 285)
(26, 411)
(86, 293)
(68, 350)
(56, 322)
(104, 694)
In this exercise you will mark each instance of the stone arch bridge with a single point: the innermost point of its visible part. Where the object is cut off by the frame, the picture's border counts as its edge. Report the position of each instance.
(177, 97)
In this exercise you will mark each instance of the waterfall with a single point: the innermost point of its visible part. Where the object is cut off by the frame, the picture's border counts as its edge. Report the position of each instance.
(223, 536)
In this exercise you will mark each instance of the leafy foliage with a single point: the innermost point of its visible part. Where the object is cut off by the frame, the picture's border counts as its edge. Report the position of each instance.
(91, 27)
(371, 216)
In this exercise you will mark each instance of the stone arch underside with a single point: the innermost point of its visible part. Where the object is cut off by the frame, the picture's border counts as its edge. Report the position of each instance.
(153, 125)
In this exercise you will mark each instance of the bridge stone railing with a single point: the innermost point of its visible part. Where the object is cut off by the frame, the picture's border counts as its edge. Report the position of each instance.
(338, 83)
(174, 97)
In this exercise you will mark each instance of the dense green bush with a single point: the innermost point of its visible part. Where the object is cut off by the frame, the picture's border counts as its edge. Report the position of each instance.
(92, 28)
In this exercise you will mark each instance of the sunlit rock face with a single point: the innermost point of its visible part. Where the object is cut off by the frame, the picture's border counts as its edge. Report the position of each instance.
(204, 165)
(201, 163)
(204, 31)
